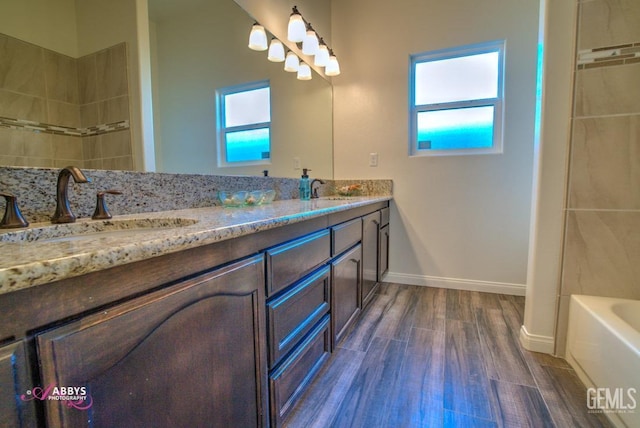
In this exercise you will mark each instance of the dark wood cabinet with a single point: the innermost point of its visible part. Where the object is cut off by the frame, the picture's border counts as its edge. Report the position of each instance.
(346, 280)
(293, 314)
(290, 379)
(225, 334)
(192, 354)
(14, 383)
(383, 252)
(370, 255)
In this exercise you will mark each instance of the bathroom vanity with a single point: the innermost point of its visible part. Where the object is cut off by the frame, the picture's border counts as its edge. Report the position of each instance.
(222, 320)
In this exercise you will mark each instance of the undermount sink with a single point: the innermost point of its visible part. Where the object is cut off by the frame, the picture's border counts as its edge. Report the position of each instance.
(92, 229)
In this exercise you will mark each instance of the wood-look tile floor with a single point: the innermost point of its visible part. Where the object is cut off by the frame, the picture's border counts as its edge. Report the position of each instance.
(430, 357)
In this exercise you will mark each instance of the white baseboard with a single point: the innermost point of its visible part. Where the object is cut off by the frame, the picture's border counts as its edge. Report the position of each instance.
(456, 283)
(536, 342)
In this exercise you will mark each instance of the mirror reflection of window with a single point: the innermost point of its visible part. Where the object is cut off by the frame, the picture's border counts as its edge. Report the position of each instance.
(244, 125)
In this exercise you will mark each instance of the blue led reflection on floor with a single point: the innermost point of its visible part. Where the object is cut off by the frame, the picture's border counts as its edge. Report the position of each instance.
(477, 137)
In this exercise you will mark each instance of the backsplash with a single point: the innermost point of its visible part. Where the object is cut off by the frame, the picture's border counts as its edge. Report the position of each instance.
(148, 191)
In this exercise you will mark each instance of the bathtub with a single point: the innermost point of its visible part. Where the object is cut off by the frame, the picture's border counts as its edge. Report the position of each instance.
(603, 346)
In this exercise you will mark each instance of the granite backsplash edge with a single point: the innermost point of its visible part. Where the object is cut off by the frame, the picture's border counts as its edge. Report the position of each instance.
(143, 192)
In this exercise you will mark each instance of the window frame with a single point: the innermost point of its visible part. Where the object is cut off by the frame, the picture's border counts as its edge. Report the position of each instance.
(497, 103)
(222, 130)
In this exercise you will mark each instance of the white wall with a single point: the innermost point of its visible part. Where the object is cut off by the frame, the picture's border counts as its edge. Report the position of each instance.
(459, 221)
(45, 23)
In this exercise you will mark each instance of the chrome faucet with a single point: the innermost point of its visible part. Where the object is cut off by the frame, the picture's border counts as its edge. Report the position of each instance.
(314, 192)
(63, 212)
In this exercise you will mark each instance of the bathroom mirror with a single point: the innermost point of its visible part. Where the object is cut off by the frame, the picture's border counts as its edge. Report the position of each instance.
(193, 44)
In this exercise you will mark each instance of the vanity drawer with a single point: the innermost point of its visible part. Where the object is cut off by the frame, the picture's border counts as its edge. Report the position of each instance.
(292, 315)
(290, 380)
(345, 236)
(288, 262)
(384, 217)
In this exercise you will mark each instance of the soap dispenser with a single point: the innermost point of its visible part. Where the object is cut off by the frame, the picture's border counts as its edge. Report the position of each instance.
(305, 186)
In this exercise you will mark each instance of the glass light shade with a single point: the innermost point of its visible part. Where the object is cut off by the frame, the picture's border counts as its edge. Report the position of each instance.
(292, 63)
(304, 72)
(333, 68)
(322, 57)
(310, 44)
(258, 38)
(276, 51)
(296, 29)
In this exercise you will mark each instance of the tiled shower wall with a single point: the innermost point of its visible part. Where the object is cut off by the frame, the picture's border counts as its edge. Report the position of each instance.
(56, 110)
(602, 230)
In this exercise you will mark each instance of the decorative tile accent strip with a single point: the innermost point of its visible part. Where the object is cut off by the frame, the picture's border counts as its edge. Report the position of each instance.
(610, 55)
(29, 125)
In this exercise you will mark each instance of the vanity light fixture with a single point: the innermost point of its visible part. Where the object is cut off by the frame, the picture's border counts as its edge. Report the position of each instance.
(296, 29)
(333, 67)
(322, 57)
(276, 51)
(258, 38)
(310, 43)
(304, 72)
(292, 63)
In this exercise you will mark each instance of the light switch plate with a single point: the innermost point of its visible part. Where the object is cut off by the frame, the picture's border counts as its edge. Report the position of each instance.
(373, 159)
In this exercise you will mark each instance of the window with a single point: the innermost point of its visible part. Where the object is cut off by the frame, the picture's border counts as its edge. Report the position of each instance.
(457, 101)
(244, 124)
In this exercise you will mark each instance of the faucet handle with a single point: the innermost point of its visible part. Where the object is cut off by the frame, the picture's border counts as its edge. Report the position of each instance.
(101, 212)
(12, 216)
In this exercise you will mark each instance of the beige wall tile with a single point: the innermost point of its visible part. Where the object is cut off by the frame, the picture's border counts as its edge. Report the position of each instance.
(93, 164)
(605, 163)
(607, 90)
(11, 143)
(91, 148)
(115, 144)
(21, 67)
(64, 114)
(25, 161)
(26, 107)
(37, 162)
(608, 23)
(37, 144)
(67, 148)
(112, 72)
(61, 73)
(61, 163)
(87, 79)
(89, 115)
(113, 110)
(124, 163)
(602, 250)
(18, 142)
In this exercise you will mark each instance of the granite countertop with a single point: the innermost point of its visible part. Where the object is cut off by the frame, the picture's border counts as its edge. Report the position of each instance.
(26, 264)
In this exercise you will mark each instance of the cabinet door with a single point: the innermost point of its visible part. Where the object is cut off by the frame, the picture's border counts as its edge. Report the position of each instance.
(370, 258)
(345, 286)
(383, 262)
(14, 383)
(189, 355)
